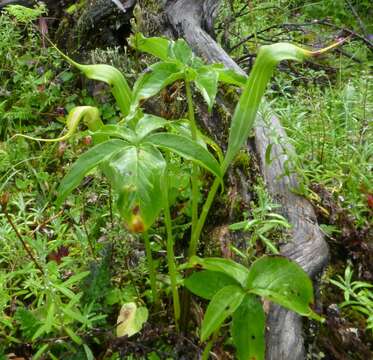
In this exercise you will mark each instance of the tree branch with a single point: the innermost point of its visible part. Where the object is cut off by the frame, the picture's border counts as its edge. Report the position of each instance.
(295, 26)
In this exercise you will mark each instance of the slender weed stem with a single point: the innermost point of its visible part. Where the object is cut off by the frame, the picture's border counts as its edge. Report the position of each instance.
(111, 207)
(201, 221)
(151, 266)
(171, 260)
(207, 349)
(195, 171)
(89, 239)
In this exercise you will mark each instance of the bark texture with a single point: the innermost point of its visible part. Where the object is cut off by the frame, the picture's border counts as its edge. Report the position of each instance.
(4, 3)
(95, 24)
(190, 20)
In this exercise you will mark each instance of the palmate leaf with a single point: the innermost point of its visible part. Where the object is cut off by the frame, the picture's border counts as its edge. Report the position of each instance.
(231, 77)
(186, 148)
(144, 126)
(147, 124)
(162, 48)
(223, 304)
(113, 131)
(284, 282)
(179, 62)
(248, 328)
(86, 162)
(135, 173)
(182, 127)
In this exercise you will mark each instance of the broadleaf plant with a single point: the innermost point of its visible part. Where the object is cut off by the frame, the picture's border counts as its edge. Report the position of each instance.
(132, 152)
(128, 153)
(233, 292)
(180, 63)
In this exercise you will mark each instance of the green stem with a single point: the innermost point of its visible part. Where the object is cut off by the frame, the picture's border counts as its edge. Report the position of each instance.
(152, 273)
(201, 221)
(193, 126)
(171, 259)
(207, 349)
(193, 129)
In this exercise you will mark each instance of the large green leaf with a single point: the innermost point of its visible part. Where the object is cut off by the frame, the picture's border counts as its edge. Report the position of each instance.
(162, 48)
(222, 305)
(284, 282)
(155, 46)
(85, 163)
(207, 283)
(226, 266)
(186, 148)
(247, 107)
(207, 83)
(248, 329)
(143, 127)
(151, 82)
(182, 127)
(136, 173)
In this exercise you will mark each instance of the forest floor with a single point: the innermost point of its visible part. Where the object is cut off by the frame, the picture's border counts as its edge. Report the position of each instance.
(65, 272)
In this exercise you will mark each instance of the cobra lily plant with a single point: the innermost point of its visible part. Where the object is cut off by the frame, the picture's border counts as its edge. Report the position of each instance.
(132, 154)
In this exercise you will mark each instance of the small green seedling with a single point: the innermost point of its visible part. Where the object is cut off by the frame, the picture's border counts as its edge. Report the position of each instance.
(357, 294)
(262, 223)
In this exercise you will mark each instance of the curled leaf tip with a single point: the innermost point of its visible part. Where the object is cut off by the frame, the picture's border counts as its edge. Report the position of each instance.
(89, 114)
(39, 139)
(326, 49)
